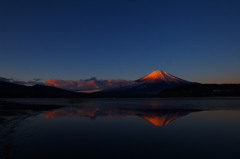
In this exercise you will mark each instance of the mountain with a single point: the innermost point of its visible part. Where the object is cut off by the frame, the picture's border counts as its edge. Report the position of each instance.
(147, 86)
(159, 76)
(12, 90)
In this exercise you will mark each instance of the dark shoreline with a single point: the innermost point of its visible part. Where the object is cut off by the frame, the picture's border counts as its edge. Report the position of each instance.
(11, 115)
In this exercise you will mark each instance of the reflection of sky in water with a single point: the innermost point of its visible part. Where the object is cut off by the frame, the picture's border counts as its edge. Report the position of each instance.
(100, 130)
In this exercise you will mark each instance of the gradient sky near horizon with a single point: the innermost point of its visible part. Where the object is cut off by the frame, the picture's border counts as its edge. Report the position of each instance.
(196, 40)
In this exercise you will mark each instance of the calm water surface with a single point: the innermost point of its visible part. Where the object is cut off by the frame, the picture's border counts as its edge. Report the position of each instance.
(131, 128)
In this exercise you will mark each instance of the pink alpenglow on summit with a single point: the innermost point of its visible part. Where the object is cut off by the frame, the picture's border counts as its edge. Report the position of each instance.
(159, 76)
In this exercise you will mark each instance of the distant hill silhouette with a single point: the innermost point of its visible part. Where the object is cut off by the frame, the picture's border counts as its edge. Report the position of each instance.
(202, 90)
(11, 90)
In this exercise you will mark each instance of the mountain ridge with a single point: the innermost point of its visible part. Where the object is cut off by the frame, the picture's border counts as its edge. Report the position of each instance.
(150, 85)
(146, 87)
(12, 90)
(160, 76)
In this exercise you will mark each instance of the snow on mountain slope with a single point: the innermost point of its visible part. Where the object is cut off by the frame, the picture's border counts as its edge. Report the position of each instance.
(159, 76)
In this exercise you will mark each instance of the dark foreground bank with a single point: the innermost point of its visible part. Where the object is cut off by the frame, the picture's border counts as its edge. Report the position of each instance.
(11, 114)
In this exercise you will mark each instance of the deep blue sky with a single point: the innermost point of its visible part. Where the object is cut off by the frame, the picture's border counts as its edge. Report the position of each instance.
(195, 40)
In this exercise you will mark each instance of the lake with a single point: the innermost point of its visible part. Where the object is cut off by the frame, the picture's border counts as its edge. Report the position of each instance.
(130, 128)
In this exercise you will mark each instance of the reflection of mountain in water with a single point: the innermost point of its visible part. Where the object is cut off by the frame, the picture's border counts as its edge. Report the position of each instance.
(158, 117)
(163, 117)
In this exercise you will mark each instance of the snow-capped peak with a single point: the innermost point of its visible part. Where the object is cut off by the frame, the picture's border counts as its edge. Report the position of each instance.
(160, 76)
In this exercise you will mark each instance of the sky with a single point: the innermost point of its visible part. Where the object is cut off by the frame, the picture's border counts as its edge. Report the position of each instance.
(86, 40)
